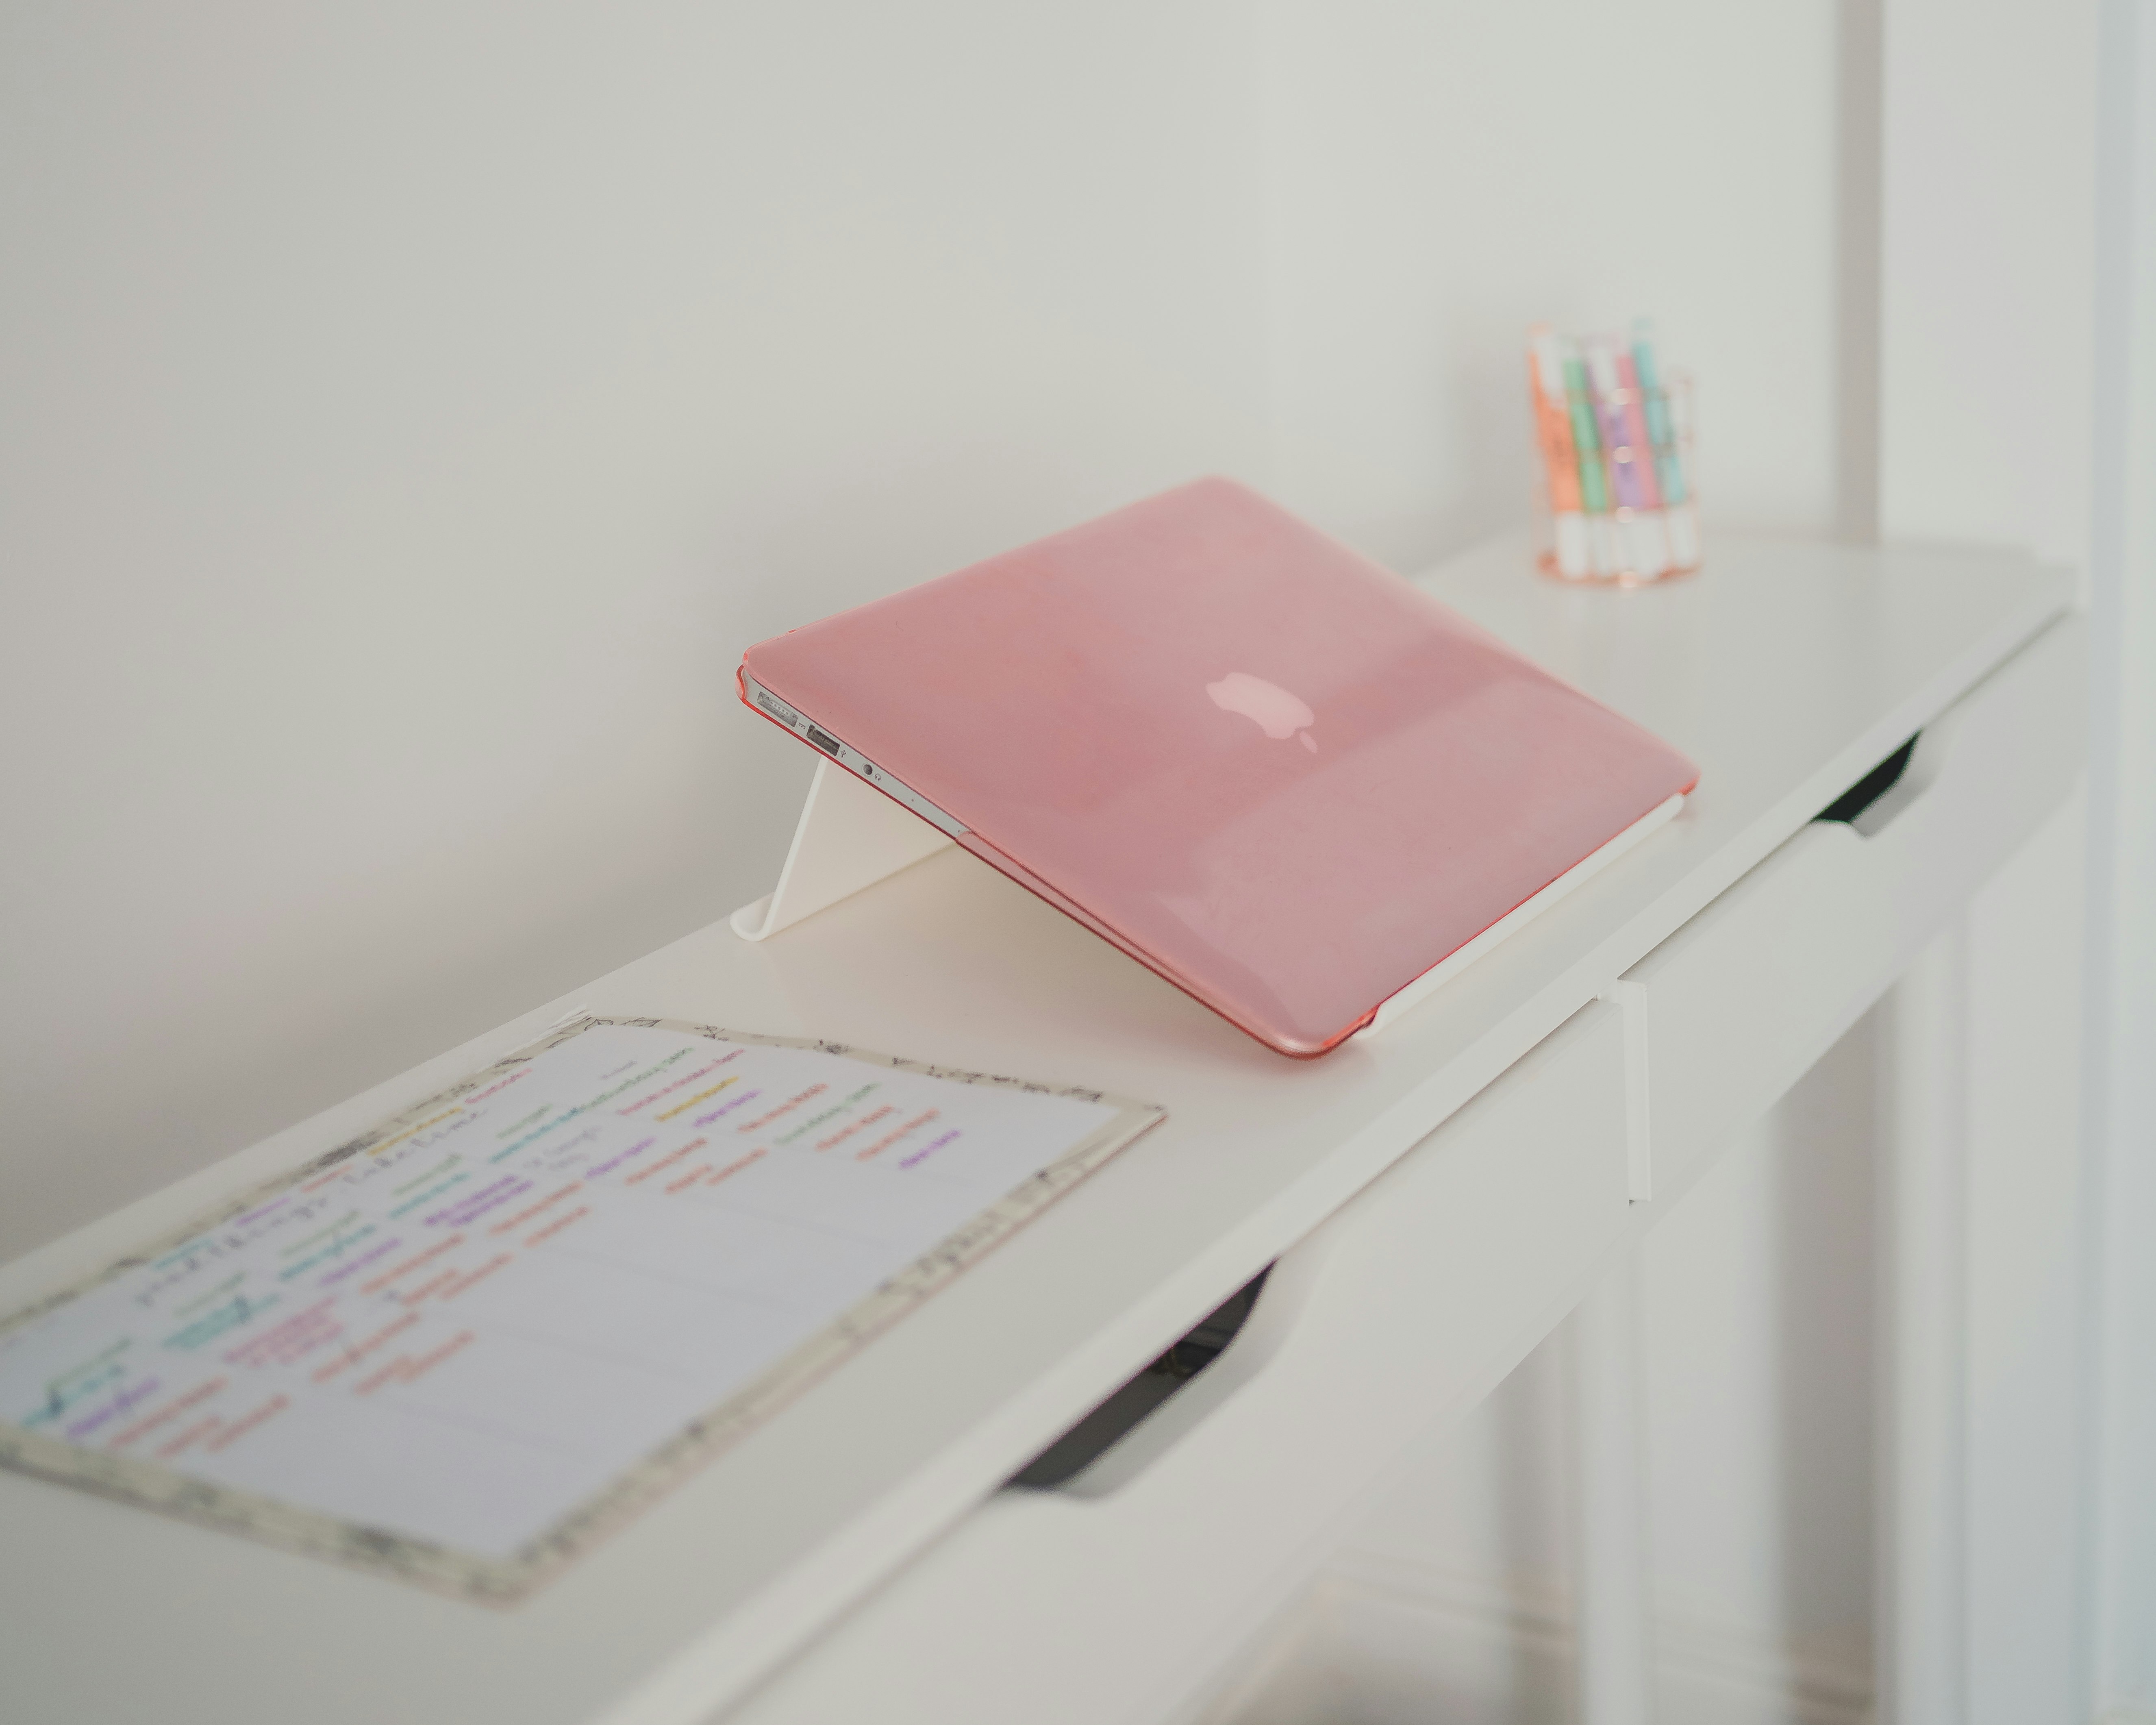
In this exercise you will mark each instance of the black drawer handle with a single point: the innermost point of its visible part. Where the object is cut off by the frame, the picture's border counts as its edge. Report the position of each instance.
(1091, 1437)
(1869, 789)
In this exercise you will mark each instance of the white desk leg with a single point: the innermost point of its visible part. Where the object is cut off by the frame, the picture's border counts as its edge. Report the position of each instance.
(1610, 1589)
(1920, 1579)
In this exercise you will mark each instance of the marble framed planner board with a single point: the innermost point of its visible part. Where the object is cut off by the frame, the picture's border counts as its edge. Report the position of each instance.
(463, 1346)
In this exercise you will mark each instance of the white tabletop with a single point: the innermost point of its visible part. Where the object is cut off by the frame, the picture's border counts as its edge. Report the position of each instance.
(1786, 671)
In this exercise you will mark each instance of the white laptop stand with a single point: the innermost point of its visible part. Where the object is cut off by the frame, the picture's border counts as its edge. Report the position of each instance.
(849, 837)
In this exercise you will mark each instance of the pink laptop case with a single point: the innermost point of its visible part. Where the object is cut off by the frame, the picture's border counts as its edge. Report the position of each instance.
(1282, 776)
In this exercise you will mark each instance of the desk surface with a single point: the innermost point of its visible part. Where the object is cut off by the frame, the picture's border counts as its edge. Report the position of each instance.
(1786, 671)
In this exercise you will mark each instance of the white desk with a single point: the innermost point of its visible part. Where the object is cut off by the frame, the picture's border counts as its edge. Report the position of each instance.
(1787, 672)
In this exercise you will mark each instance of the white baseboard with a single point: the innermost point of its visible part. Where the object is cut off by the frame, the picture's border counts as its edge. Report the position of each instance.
(1385, 1642)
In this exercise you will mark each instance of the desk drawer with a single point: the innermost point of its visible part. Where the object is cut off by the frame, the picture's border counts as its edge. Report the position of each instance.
(1112, 1598)
(1746, 996)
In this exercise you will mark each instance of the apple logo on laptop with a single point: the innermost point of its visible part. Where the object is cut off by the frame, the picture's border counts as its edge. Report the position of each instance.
(1269, 706)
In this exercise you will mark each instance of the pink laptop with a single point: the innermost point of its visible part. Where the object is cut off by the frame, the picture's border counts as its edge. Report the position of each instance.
(1284, 779)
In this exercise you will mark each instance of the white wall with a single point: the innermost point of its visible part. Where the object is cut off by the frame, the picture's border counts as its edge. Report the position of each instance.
(1989, 370)
(1441, 174)
(1987, 287)
(2122, 849)
(411, 412)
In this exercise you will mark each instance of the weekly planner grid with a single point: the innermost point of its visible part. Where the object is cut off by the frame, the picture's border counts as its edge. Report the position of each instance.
(461, 1347)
